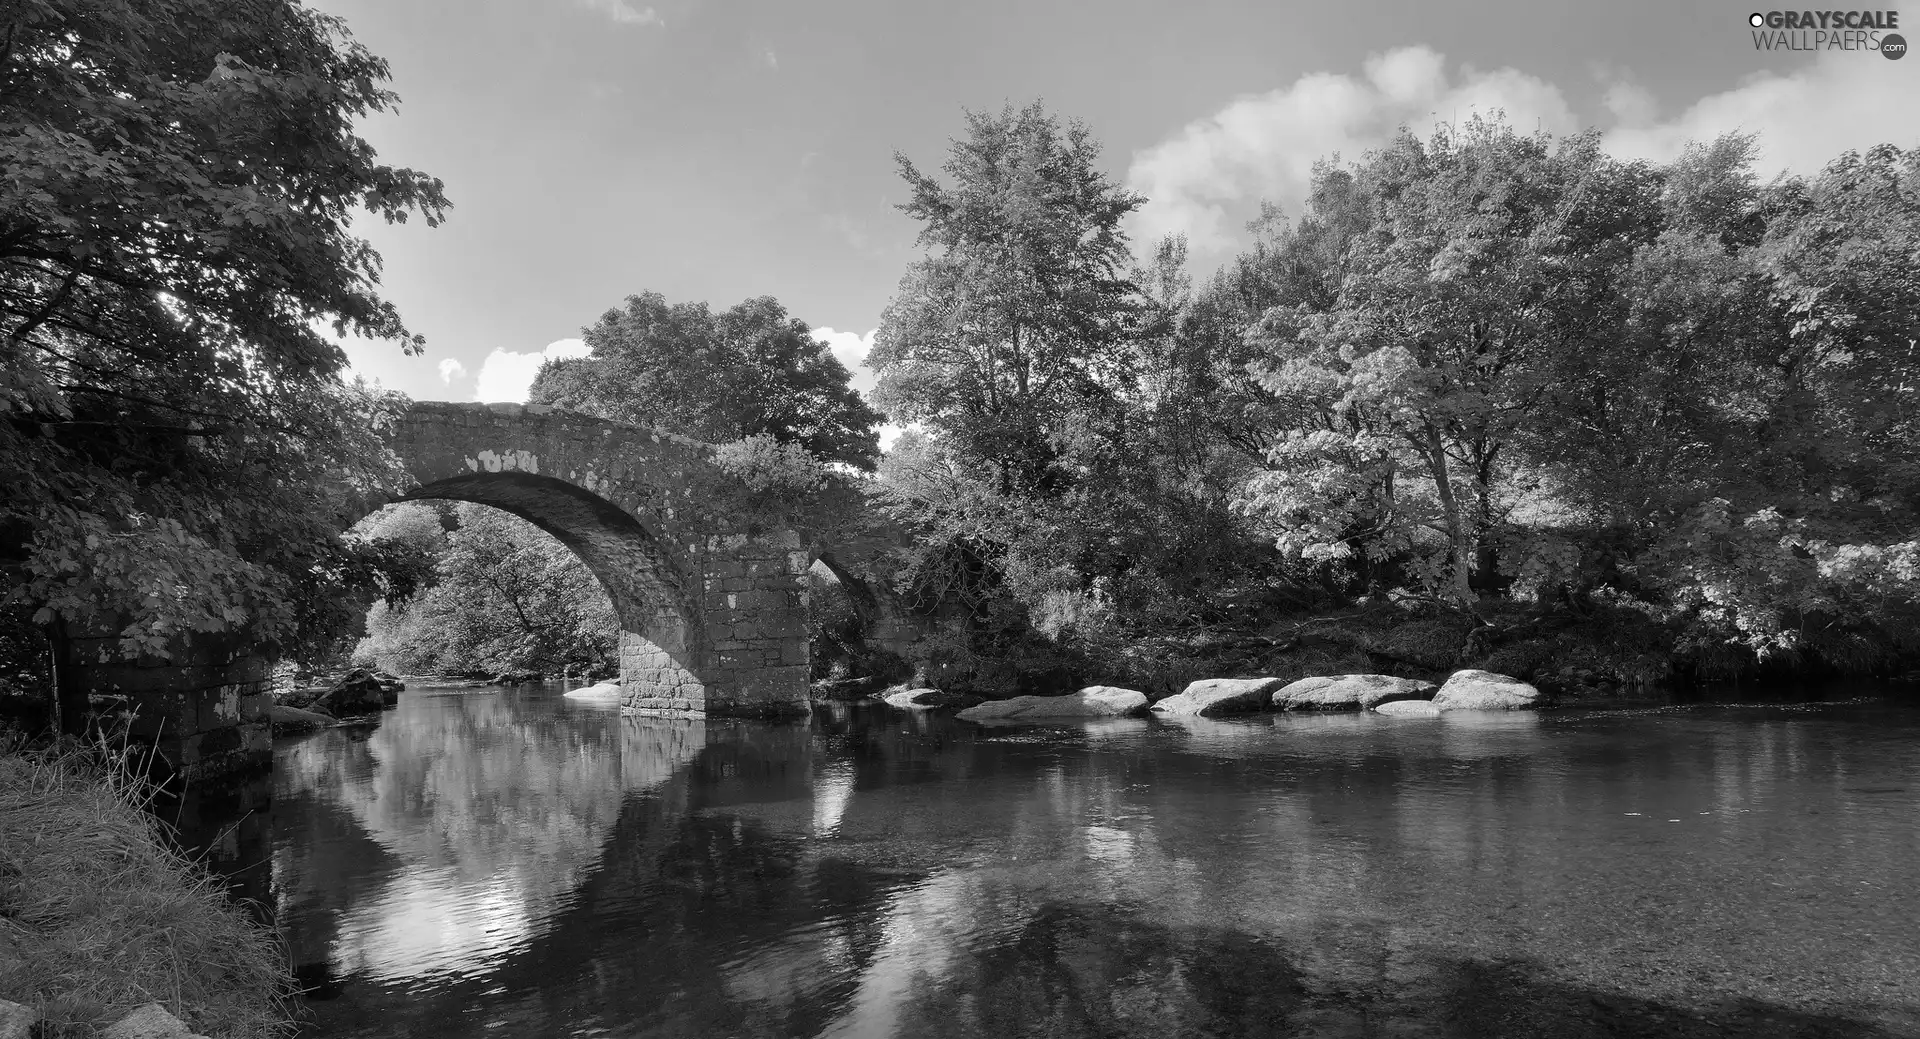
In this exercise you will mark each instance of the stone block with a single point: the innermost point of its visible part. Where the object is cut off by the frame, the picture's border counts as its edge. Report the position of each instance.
(787, 624)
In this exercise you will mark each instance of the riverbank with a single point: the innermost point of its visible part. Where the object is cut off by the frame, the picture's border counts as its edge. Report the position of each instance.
(99, 915)
(1599, 656)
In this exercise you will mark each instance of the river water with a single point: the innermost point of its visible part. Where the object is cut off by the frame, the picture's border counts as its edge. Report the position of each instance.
(508, 862)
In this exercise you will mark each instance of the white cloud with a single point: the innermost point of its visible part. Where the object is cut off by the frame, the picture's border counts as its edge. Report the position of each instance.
(505, 376)
(851, 350)
(623, 13)
(1845, 100)
(451, 369)
(1209, 177)
(1264, 146)
(770, 59)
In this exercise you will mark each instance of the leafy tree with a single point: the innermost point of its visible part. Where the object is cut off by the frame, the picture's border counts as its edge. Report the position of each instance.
(1069, 480)
(748, 371)
(176, 182)
(505, 596)
(1803, 521)
(1012, 336)
(1409, 387)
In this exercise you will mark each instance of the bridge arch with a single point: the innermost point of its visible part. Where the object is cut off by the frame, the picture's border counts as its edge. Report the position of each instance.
(663, 635)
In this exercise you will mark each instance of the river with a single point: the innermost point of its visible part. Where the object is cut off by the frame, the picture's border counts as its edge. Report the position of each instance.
(493, 861)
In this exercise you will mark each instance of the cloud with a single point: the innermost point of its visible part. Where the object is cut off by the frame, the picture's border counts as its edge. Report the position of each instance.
(1845, 100)
(851, 350)
(1264, 146)
(770, 59)
(451, 369)
(623, 13)
(1210, 176)
(505, 376)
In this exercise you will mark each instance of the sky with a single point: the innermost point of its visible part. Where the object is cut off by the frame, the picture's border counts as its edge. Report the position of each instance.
(719, 150)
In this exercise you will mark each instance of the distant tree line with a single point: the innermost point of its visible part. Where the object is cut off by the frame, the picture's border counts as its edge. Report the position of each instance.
(1477, 371)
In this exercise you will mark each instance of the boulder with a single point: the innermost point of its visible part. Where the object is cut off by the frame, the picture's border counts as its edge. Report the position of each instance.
(1211, 696)
(16, 1020)
(292, 719)
(1350, 692)
(1095, 701)
(1472, 690)
(149, 1021)
(925, 699)
(596, 691)
(357, 692)
(1409, 709)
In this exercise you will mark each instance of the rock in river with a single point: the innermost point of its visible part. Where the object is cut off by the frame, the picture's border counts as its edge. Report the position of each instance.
(1409, 709)
(1095, 701)
(288, 720)
(1350, 692)
(596, 691)
(1211, 696)
(924, 699)
(1472, 690)
(358, 692)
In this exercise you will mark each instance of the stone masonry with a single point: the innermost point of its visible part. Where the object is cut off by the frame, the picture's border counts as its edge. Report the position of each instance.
(708, 583)
(710, 590)
(202, 711)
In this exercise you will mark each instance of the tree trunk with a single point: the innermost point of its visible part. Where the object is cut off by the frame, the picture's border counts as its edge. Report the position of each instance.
(70, 704)
(1457, 536)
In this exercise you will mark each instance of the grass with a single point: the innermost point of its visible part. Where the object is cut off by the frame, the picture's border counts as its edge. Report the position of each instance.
(104, 915)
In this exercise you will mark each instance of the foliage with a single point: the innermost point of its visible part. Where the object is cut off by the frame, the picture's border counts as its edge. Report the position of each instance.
(1069, 485)
(176, 181)
(1010, 337)
(1408, 388)
(505, 597)
(1531, 368)
(1485, 371)
(748, 371)
(778, 476)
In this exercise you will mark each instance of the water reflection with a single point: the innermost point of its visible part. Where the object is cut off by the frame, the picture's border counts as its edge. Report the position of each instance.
(470, 823)
(508, 861)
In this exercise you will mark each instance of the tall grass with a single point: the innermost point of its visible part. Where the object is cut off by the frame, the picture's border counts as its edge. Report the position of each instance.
(105, 914)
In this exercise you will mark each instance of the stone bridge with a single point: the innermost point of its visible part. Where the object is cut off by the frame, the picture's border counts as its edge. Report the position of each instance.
(706, 568)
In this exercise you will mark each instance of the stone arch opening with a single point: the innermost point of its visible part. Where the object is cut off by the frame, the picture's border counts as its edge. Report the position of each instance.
(866, 605)
(664, 643)
(886, 632)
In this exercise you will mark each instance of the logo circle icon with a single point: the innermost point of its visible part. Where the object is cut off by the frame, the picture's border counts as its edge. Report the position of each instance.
(1893, 46)
(1756, 19)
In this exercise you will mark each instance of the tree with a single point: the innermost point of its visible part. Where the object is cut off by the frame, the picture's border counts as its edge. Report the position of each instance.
(505, 596)
(176, 183)
(748, 371)
(1799, 525)
(1012, 336)
(1410, 386)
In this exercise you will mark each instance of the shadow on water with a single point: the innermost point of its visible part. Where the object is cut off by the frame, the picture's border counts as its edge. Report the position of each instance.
(509, 862)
